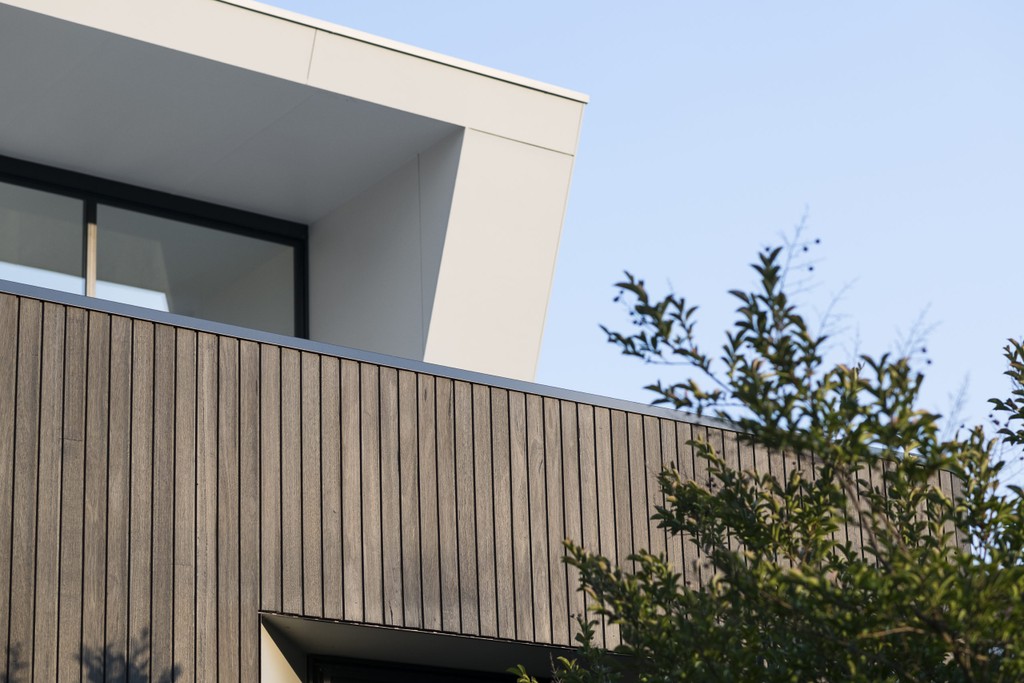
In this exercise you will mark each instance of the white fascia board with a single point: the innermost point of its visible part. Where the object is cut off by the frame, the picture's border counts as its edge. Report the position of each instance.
(411, 50)
(328, 57)
(440, 92)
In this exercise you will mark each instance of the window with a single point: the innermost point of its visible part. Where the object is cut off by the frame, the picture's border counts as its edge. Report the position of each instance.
(342, 670)
(175, 255)
(41, 239)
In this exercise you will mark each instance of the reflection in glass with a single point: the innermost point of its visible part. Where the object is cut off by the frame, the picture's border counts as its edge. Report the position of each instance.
(173, 266)
(41, 239)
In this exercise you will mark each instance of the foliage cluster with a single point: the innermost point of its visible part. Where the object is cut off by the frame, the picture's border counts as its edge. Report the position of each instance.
(929, 588)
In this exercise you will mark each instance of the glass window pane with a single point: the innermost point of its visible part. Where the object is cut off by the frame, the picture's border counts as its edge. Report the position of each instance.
(41, 238)
(173, 266)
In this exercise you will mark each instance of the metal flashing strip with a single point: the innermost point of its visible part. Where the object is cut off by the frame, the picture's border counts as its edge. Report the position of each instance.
(411, 50)
(176, 320)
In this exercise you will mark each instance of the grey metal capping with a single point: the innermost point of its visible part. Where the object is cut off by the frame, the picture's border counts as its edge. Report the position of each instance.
(117, 308)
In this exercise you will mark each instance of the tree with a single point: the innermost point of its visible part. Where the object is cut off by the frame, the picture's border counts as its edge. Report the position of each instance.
(935, 592)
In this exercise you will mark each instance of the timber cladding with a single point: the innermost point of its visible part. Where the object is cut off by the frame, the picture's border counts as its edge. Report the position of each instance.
(161, 486)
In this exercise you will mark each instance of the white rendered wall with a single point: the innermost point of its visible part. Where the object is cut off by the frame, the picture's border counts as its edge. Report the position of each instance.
(499, 256)
(373, 262)
(439, 167)
(448, 260)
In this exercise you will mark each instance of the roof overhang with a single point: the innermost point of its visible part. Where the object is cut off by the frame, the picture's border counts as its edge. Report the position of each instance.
(242, 105)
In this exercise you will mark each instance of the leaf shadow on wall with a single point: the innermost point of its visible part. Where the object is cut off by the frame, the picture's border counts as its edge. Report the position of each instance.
(111, 664)
(15, 666)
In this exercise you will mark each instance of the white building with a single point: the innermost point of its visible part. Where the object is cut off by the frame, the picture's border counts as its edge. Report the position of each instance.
(420, 198)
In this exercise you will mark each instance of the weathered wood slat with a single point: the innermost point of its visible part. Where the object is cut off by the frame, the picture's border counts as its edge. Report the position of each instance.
(184, 647)
(249, 510)
(653, 464)
(391, 499)
(670, 460)
(747, 459)
(521, 507)
(538, 515)
(621, 489)
(571, 504)
(685, 545)
(291, 482)
(483, 477)
(162, 594)
(725, 445)
(94, 560)
(351, 493)
(312, 520)
(206, 504)
(730, 448)
(447, 506)
(330, 426)
(762, 459)
(730, 452)
(369, 425)
(72, 498)
(639, 509)
(762, 464)
(701, 570)
(777, 461)
(588, 467)
(271, 580)
(430, 558)
(469, 595)
(605, 491)
(26, 471)
(47, 583)
(228, 569)
(556, 521)
(503, 562)
(8, 382)
(802, 463)
(140, 522)
(845, 536)
(858, 507)
(408, 466)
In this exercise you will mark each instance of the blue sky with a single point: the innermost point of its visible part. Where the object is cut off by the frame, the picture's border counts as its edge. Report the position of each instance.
(714, 126)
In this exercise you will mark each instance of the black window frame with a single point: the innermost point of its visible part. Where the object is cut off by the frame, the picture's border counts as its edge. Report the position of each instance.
(93, 190)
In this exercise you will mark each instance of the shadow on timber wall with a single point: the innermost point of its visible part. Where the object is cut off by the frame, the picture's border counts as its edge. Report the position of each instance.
(101, 665)
(109, 664)
(16, 668)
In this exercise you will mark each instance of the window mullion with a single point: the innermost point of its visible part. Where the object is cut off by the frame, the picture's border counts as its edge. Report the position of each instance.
(90, 247)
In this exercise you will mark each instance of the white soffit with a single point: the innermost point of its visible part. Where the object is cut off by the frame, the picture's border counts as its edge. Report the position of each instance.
(273, 42)
(100, 103)
(240, 104)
